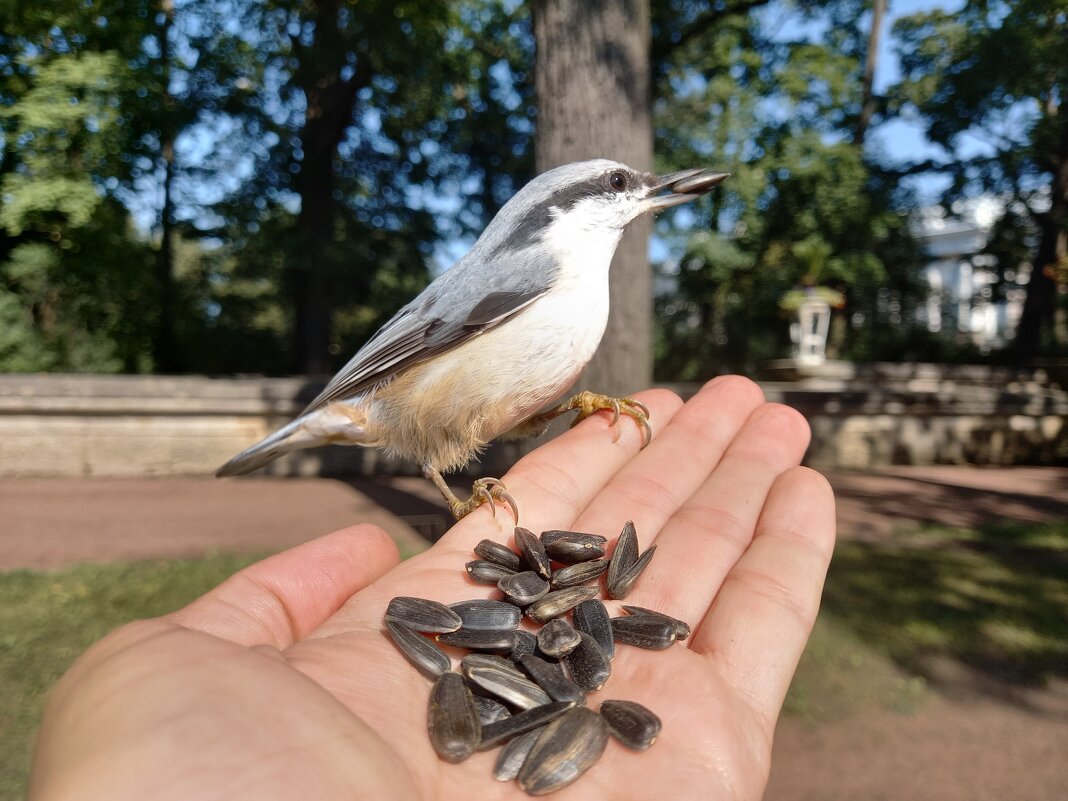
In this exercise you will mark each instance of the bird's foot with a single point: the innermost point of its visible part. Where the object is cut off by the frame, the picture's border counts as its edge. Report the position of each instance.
(483, 491)
(587, 403)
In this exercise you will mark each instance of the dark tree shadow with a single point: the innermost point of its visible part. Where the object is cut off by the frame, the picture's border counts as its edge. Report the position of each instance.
(993, 599)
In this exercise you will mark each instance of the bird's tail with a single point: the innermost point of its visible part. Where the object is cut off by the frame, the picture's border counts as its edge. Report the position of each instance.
(288, 438)
(336, 423)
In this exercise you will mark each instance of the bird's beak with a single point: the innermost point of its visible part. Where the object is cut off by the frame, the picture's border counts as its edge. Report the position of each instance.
(684, 186)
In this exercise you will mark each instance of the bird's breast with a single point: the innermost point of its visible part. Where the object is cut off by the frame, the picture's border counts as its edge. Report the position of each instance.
(455, 403)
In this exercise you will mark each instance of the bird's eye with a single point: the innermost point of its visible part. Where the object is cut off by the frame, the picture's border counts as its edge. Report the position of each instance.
(618, 181)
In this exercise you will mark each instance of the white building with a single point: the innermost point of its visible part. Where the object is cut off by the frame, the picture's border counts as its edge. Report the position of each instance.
(961, 278)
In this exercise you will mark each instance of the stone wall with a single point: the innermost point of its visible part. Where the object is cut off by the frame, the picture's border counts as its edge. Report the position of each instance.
(73, 425)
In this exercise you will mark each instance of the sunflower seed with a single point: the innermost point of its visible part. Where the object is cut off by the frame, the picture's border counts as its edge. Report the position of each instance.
(488, 661)
(580, 573)
(632, 724)
(550, 676)
(571, 548)
(682, 631)
(588, 664)
(625, 580)
(643, 631)
(422, 615)
(430, 660)
(624, 555)
(532, 551)
(592, 617)
(553, 535)
(557, 638)
(485, 572)
(558, 602)
(487, 614)
(524, 588)
(499, 641)
(525, 643)
(504, 684)
(452, 719)
(498, 554)
(489, 711)
(567, 748)
(520, 723)
(511, 758)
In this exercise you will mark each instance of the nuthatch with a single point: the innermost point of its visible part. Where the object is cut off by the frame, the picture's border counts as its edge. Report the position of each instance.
(495, 339)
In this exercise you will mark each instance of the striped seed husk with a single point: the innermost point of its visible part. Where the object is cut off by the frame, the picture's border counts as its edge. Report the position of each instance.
(588, 664)
(552, 678)
(512, 756)
(579, 573)
(499, 641)
(520, 723)
(631, 723)
(566, 749)
(643, 631)
(498, 554)
(558, 638)
(625, 553)
(428, 659)
(623, 583)
(452, 719)
(533, 552)
(559, 602)
(592, 617)
(484, 572)
(483, 613)
(524, 588)
(422, 615)
(682, 631)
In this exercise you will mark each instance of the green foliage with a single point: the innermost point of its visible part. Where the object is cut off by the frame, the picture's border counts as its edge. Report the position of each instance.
(803, 205)
(995, 73)
(94, 96)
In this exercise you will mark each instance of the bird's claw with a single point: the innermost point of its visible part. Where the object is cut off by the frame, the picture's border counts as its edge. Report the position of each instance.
(485, 491)
(587, 403)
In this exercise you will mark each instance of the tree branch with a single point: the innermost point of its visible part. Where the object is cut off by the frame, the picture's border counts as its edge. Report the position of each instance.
(701, 25)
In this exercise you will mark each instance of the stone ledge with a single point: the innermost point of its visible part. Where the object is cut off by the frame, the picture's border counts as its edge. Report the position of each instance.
(90, 425)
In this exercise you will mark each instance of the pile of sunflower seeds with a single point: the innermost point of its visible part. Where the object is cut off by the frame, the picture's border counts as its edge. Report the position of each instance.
(528, 692)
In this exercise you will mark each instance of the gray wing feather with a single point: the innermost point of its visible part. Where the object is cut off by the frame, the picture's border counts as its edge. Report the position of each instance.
(462, 303)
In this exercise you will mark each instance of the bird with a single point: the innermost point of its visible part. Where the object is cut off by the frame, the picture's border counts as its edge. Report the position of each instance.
(487, 348)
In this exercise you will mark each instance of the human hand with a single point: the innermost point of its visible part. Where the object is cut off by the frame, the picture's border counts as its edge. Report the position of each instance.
(281, 682)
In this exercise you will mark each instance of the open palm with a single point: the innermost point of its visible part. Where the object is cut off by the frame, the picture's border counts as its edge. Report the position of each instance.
(281, 683)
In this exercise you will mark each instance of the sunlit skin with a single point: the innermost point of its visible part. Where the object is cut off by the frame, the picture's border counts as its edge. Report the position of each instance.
(281, 683)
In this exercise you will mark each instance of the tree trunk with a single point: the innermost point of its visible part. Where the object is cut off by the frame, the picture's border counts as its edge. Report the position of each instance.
(591, 77)
(867, 103)
(1037, 315)
(166, 353)
(329, 101)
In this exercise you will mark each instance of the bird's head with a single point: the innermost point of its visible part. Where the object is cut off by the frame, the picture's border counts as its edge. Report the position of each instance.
(602, 194)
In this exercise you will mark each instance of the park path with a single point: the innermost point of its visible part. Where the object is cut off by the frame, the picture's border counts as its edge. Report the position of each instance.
(965, 747)
(54, 522)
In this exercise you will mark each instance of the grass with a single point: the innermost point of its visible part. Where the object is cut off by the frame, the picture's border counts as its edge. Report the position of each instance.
(994, 600)
(48, 618)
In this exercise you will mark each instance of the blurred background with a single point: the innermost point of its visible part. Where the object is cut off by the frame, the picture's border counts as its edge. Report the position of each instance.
(206, 206)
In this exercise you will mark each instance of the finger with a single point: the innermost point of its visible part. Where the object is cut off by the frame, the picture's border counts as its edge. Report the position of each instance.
(554, 483)
(758, 626)
(701, 543)
(285, 597)
(653, 485)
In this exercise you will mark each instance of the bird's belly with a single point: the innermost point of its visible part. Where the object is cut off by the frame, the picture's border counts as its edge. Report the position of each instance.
(446, 409)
